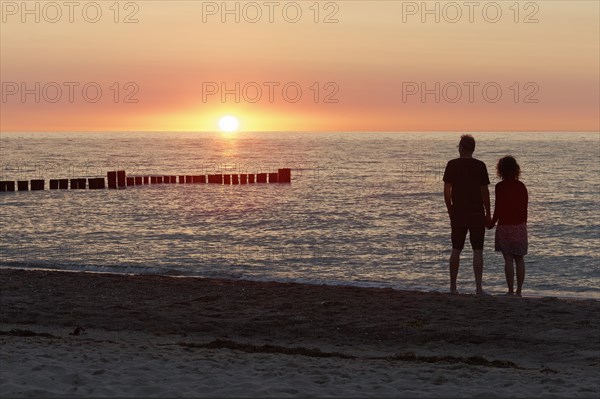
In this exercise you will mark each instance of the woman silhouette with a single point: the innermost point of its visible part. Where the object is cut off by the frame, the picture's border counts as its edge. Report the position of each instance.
(511, 214)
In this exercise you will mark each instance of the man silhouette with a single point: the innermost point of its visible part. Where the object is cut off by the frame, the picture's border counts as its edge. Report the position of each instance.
(468, 202)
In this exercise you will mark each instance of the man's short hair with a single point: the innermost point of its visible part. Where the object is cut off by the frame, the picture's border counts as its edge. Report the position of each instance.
(467, 142)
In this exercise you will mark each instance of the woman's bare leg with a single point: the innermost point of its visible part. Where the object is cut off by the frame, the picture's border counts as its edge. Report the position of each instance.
(520, 262)
(509, 272)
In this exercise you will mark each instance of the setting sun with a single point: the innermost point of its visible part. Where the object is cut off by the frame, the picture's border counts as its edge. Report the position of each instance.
(229, 123)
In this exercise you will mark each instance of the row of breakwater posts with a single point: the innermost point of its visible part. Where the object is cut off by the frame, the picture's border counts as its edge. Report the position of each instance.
(120, 180)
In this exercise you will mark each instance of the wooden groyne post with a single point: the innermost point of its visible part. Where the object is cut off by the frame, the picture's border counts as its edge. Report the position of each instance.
(284, 175)
(7, 186)
(78, 184)
(96, 183)
(37, 184)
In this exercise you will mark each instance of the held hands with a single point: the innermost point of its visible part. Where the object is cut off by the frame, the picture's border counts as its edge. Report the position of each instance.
(489, 223)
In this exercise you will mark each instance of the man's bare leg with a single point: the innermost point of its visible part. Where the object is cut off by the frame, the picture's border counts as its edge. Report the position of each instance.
(454, 264)
(520, 262)
(509, 272)
(478, 270)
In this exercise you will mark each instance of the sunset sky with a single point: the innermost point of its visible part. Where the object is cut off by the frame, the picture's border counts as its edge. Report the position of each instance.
(370, 65)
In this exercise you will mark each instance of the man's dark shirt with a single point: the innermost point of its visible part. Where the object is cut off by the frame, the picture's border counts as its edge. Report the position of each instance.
(466, 175)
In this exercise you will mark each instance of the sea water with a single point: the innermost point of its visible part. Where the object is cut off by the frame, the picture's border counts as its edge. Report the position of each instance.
(363, 209)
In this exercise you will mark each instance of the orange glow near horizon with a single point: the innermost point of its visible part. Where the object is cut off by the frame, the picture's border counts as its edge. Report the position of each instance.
(175, 66)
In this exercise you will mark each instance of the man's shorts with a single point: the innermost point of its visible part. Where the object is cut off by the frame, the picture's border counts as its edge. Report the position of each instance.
(476, 229)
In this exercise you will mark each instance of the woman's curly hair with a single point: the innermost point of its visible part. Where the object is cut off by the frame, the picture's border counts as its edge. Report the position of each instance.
(508, 168)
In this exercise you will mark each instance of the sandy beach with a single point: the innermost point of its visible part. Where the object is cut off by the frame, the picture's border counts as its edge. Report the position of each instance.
(75, 335)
